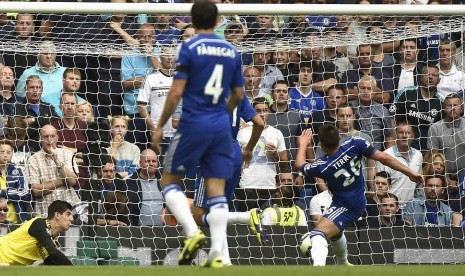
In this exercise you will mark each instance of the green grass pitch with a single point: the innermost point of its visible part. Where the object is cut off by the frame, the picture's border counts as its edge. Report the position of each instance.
(409, 270)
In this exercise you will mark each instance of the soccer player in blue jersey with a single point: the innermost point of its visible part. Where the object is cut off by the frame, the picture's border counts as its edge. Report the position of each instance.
(342, 169)
(241, 157)
(209, 80)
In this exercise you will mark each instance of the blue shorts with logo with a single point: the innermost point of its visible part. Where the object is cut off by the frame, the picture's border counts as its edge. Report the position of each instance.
(341, 215)
(188, 150)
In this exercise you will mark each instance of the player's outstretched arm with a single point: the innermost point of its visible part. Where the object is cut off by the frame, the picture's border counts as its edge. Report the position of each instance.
(235, 98)
(390, 161)
(38, 230)
(257, 128)
(305, 141)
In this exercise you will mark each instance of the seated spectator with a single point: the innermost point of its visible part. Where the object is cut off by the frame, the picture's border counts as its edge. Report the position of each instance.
(379, 58)
(34, 111)
(252, 79)
(85, 112)
(8, 97)
(382, 186)
(234, 32)
(70, 130)
(389, 214)
(401, 185)
(107, 180)
(145, 200)
(451, 79)
(6, 27)
(3, 211)
(284, 212)
(258, 180)
(284, 64)
(13, 186)
(115, 211)
(16, 132)
(303, 98)
(126, 154)
(431, 211)
(49, 71)
(164, 32)
(51, 172)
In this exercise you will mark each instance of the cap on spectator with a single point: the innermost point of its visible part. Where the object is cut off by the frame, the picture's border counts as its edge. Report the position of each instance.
(47, 47)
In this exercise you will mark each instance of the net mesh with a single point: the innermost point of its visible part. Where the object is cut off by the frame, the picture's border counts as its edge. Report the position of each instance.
(114, 54)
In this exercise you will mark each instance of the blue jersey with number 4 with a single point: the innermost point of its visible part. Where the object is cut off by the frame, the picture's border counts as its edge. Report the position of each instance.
(343, 172)
(212, 67)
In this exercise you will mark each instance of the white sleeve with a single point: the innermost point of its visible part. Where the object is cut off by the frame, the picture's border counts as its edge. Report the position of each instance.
(266, 218)
(144, 91)
(303, 219)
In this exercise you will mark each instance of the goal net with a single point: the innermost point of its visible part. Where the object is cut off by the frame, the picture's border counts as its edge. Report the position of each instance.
(395, 79)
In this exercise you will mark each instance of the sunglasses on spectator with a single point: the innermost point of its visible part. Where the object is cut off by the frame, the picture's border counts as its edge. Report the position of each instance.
(233, 29)
(5, 210)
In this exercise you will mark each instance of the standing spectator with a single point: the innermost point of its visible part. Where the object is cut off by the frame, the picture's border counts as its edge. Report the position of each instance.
(34, 111)
(164, 32)
(154, 92)
(115, 210)
(401, 185)
(125, 153)
(252, 79)
(13, 186)
(71, 84)
(382, 186)
(258, 180)
(431, 211)
(134, 69)
(289, 122)
(145, 200)
(50, 172)
(49, 71)
(407, 70)
(303, 99)
(8, 98)
(389, 215)
(262, 29)
(448, 136)
(420, 106)
(269, 73)
(451, 79)
(24, 35)
(70, 130)
(383, 87)
(335, 96)
(298, 26)
(374, 118)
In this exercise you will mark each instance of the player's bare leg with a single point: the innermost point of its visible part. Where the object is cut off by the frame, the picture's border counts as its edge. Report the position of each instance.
(176, 201)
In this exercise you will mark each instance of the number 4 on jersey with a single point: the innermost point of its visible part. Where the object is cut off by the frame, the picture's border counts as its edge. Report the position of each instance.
(213, 87)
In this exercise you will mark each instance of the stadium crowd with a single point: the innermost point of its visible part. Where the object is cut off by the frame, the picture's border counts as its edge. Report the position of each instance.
(404, 96)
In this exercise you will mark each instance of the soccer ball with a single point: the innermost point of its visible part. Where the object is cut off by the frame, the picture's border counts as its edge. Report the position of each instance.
(305, 244)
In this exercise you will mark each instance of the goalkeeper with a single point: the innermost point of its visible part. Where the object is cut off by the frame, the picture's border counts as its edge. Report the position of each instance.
(36, 239)
(284, 212)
